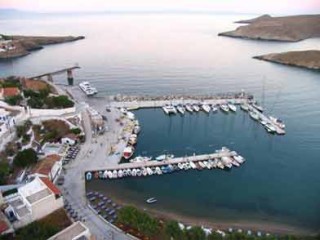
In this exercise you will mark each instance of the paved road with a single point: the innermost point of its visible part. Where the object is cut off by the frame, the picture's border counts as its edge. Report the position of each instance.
(92, 151)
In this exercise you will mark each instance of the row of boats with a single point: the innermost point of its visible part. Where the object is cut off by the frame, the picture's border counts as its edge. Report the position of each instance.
(270, 123)
(196, 107)
(133, 138)
(221, 163)
(87, 88)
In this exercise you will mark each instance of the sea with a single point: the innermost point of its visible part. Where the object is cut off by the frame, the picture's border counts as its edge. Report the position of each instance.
(181, 53)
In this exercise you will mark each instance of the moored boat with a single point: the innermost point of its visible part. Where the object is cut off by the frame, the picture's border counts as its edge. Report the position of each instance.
(87, 88)
(205, 107)
(168, 109)
(232, 107)
(224, 108)
(244, 107)
(151, 200)
(181, 109)
(254, 115)
(128, 152)
(189, 108)
(277, 122)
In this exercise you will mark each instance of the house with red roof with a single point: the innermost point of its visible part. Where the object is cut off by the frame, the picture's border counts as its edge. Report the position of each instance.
(9, 92)
(49, 167)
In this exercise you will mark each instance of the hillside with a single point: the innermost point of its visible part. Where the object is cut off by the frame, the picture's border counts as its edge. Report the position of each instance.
(306, 59)
(287, 29)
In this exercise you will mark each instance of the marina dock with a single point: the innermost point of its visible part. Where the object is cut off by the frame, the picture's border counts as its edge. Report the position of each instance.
(223, 159)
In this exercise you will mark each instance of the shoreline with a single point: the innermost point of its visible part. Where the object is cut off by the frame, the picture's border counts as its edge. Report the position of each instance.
(224, 225)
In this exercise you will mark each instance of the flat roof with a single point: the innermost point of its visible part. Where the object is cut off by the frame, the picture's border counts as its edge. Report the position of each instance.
(70, 232)
(39, 195)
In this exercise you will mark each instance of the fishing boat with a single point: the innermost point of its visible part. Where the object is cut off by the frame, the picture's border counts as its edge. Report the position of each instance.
(232, 107)
(224, 108)
(227, 162)
(169, 109)
(134, 172)
(139, 172)
(128, 152)
(114, 174)
(254, 116)
(151, 200)
(196, 108)
(201, 164)
(88, 89)
(244, 107)
(189, 108)
(181, 109)
(263, 123)
(158, 171)
(120, 173)
(150, 172)
(205, 107)
(132, 139)
(180, 166)
(277, 122)
(220, 164)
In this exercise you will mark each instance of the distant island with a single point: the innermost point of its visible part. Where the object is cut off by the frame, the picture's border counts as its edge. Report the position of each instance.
(285, 29)
(18, 46)
(306, 59)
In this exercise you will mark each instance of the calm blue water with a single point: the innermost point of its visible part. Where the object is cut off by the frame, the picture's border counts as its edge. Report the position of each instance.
(166, 54)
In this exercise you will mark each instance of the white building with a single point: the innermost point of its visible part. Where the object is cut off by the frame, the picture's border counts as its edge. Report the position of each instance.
(33, 201)
(77, 231)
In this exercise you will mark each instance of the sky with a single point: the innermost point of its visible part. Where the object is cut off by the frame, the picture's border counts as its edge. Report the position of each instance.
(241, 6)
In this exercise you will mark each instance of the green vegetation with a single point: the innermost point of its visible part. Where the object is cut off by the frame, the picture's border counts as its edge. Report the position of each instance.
(22, 130)
(13, 100)
(36, 230)
(130, 217)
(141, 221)
(42, 229)
(75, 131)
(4, 172)
(25, 158)
(36, 99)
(59, 102)
(11, 81)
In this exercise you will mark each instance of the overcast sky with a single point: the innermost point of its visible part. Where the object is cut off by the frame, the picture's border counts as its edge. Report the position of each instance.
(241, 6)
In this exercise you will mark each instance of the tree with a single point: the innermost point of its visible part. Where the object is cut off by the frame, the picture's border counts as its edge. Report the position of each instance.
(13, 100)
(215, 236)
(173, 231)
(59, 102)
(75, 131)
(25, 158)
(4, 172)
(36, 230)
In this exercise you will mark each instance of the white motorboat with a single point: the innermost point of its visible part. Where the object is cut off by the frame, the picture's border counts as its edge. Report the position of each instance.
(134, 172)
(239, 159)
(120, 173)
(196, 108)
(129, 172)
(227, 162)
(270, 128)
(254, 116)
(244, 107)
(202, 164)
(180, 166)
(139, 172)
(132, 140)
(220, 164)
(181, 109)
(224, 108)
(205, 107)
(140, 159)
(258, 107)
(87, 88)
(263, 122)
(232, 107)
(158, 171)
(137, 129)
(169, 109)
(189, 108)
(214, 108)
(164, 157)
(149, 171)
(235, 163)
(114, 174)
(151, 200)
(128, 152)
(193, 166)
(277, 122)
(110, 174)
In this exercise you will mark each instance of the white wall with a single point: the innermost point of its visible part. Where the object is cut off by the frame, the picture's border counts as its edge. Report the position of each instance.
(51, 112)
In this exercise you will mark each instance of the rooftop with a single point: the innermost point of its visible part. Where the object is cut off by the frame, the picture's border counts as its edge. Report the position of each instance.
(44, 166)
(51, 186)
(39, 195)
(70, 232)
(10, 91)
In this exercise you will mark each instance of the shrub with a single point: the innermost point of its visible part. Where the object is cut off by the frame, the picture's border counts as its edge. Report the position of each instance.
(75, 131)
(13, 100)
(59, 102)
(25, 158)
